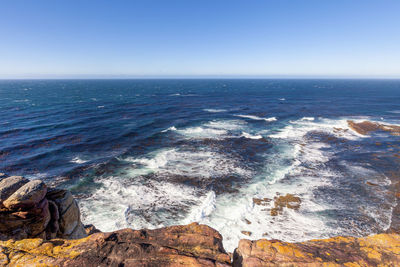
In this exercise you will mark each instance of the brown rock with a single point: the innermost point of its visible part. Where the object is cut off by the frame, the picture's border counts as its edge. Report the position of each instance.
(288, 201)
(371, 184)
(247, 221)
(377, 250)
(366, 127)
(187, 245)
(261, 201)
(28, 195)
(248, 233)
(91, 229)
(30, 211)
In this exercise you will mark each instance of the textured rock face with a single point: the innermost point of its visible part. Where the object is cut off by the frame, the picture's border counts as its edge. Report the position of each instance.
(29, 209)
(188, 245)
(381, 249)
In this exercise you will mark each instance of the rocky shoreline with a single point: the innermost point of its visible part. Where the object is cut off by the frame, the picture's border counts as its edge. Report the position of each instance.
(41, 226)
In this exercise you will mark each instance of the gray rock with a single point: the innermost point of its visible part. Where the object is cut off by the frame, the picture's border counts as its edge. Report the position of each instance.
(62, 198)
(78, 232)
(70, 225)
(28, 195)
(70, 219)
(9, 185)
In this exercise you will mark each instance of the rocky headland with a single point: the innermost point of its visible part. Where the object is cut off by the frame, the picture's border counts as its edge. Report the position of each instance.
(41, 226)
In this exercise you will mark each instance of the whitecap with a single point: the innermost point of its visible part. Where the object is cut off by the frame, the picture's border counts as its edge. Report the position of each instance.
(172, 128)
(78, 160)
(256, 117)
(249, 136)
(202, 132)
(307, 119)
(212, 110)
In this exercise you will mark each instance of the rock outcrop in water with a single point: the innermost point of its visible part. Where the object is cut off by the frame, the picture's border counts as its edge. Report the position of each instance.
(28, 208)
(39, 225)
(366, 127)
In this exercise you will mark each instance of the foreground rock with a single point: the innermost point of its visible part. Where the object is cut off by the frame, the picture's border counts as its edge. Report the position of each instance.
(381, 249)
(29, 209)
(188, 245)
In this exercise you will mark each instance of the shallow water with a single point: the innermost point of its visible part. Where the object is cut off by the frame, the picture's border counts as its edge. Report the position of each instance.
(151, 153)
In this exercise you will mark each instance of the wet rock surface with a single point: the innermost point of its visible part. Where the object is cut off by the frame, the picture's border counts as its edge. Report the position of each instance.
(30, 209)
(288, 201)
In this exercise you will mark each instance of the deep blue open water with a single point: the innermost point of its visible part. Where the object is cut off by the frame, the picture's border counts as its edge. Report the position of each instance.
(151, 153)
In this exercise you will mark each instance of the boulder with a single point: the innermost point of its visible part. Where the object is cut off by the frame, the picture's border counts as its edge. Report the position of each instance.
(377, 250)
(186, 245)
(9, 185)
(29, 210)
(28, 195)
(70, 225)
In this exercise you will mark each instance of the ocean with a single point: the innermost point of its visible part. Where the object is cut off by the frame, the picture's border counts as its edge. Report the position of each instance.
(153, 153)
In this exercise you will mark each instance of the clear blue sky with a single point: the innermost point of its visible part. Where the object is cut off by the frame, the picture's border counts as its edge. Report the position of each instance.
(186, 38)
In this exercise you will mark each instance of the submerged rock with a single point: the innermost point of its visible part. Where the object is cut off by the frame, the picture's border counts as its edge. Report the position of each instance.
(187, 245)
(377, 250)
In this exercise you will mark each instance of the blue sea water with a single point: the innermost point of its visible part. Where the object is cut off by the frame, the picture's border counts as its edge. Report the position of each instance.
(151, 153)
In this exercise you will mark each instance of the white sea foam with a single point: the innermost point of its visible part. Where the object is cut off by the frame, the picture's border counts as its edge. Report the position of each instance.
(111, 205)
(213, 110)
(78, 160)
(172, 128)
(189, 163)
(230, 125)
(299, 128)
(281, 99)
(247, 135)
(202, 132)
(217, 129)
(307, 119)
(296, 165)
(256, 118)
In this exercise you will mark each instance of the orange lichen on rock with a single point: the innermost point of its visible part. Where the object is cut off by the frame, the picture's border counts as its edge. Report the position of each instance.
(185, 245)
(381, 249)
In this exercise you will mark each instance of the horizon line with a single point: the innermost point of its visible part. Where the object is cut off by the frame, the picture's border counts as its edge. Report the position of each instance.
(192, 77)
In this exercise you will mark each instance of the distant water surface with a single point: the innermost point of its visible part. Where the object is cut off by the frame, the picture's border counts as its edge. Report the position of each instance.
(152, 153)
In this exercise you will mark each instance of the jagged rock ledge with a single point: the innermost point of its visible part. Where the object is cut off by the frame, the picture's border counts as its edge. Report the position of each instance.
(41, 226)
